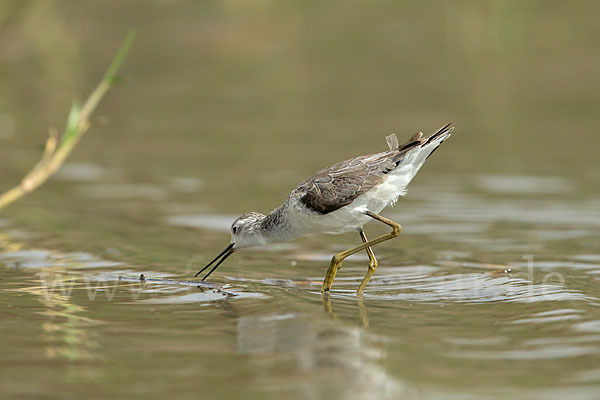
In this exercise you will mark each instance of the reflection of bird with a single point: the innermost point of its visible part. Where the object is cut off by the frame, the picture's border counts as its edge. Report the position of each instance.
(325, 357)
(340, 199)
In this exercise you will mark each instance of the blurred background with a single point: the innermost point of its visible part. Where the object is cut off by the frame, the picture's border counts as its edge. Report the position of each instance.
(226, 106)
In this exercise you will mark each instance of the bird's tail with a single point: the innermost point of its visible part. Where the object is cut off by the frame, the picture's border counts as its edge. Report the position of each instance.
(411, 156)
(442, 134)
(425, 144)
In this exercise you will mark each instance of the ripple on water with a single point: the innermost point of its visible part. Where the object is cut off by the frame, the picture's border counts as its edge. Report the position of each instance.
(418, 284)
(545, 352)
(446, 228)
(588, 268)
(118, 191)
(185, 184)
(36, 258)
(524, 184)
(207, 221)
(588, 257)
(588, 326)
(205, 296)
(82, 172)
(545, 318)
(426, 283)
(557, 346)
(456, 202)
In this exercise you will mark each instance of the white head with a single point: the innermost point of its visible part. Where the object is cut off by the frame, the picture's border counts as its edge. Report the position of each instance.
(245, 232)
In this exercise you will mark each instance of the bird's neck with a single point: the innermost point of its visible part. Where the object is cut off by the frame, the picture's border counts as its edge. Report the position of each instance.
(276, 227)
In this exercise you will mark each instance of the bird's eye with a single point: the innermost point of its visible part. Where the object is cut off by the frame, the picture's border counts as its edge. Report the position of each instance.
(234, 229)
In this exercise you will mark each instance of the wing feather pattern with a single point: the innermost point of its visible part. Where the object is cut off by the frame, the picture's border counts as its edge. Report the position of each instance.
(340, 184)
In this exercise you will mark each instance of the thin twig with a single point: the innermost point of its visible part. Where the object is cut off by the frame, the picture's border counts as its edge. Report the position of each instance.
(78, 122)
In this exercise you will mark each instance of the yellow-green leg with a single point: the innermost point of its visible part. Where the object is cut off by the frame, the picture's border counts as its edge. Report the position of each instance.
(338, 259)
(372, 264)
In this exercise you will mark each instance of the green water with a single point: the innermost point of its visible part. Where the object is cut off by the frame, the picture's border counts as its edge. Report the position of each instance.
(226, 106)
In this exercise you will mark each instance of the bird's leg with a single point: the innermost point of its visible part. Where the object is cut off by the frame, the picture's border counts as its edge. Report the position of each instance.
(336, 260)
(372, 264)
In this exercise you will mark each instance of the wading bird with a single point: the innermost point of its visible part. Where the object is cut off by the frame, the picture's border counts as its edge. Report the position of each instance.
(339, 199)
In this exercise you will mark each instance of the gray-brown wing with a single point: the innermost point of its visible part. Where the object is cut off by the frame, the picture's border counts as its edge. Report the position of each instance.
(338, 185)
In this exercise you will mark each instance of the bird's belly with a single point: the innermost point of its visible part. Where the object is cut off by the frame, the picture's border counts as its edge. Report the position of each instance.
(352, 216)
(381, 196)
(343, 220)
(348, 218)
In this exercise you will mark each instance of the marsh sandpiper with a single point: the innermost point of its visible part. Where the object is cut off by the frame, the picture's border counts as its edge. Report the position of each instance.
(339, 199)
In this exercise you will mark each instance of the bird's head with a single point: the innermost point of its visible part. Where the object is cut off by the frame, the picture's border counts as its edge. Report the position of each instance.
(245, 232)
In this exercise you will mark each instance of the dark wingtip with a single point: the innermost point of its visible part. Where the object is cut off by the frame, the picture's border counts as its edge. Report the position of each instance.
(446, 129)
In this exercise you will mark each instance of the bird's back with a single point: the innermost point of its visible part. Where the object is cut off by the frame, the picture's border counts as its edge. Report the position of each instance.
(387, 174)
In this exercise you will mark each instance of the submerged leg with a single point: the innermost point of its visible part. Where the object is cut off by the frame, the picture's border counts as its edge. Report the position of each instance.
(372, 263)
(336, 261)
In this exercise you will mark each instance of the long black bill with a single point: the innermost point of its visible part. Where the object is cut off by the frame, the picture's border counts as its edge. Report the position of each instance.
(225, 253)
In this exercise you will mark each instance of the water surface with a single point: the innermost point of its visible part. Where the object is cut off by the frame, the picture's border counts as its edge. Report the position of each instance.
(491, 291)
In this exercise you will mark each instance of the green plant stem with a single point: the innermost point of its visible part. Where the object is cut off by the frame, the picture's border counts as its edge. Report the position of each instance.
(77, 124)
